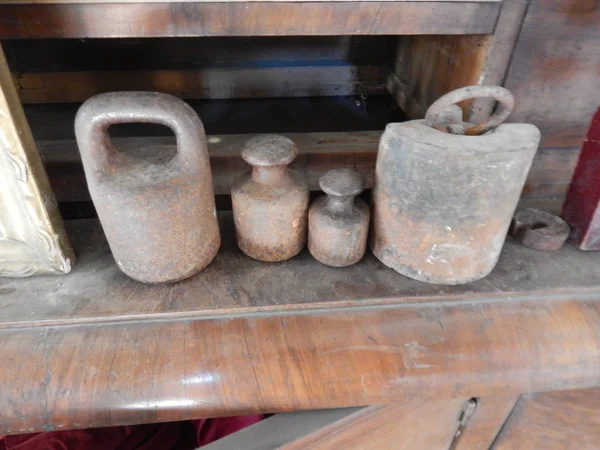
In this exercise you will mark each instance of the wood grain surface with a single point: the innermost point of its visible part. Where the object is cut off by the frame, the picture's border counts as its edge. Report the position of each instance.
(86, 20)
(567, 420)
(555, 69)
(141, 368)
(243, 336)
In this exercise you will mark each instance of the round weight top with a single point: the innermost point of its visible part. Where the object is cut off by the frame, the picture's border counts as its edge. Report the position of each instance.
(269, 150)
(342, 183)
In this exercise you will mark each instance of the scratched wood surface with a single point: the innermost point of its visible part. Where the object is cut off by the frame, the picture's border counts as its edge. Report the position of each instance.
(246, 19)
(567, 420)
(153, 368)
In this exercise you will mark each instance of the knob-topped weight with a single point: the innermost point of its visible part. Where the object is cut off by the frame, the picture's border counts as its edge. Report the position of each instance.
(338, 223)
(342, 183)
(269, 150)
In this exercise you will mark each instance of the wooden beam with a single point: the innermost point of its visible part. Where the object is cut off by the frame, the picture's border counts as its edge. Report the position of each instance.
(86, 20)
(311, 81)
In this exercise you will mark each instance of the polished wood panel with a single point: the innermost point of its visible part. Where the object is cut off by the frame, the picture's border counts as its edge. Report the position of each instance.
(399, 426)
(554, 421)
(550, 173)
(554, 73)
(246, 19)
(155, 368)
(485, 424)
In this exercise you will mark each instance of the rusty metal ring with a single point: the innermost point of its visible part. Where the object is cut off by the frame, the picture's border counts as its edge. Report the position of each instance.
(506, 103)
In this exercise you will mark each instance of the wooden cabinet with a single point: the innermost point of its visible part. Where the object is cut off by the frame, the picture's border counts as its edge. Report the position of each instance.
(553, 420)
(508, 362)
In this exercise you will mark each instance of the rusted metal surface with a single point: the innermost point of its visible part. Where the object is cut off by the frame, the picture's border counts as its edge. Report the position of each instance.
(442, 203)
(338, 223)
(270, 202)
(157, 209)
(539, 230)
(442, 113)
(582, 205)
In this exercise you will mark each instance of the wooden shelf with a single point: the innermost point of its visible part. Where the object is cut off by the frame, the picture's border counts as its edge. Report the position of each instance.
(97, 292)
(101, 349)
(277, 18)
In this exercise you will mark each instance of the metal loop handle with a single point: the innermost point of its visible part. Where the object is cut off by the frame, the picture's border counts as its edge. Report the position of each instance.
(101, 111)
(506, 103)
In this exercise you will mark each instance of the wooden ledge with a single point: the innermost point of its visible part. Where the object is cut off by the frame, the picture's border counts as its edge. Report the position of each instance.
(94, 348)
(96, 291)
(276, 18)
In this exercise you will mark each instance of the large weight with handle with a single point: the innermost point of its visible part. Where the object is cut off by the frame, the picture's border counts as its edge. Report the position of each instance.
(157, 210)
(443, 202)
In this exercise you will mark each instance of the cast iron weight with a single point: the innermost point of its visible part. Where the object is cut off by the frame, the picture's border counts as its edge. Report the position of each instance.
(539, 230)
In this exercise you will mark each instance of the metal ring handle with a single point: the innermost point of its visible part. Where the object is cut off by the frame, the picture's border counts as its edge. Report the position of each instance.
(101, 111)
(506, 103)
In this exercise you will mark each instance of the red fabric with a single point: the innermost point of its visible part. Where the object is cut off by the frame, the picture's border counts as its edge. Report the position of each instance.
(209, 430)
(163, 436)
(147, 437)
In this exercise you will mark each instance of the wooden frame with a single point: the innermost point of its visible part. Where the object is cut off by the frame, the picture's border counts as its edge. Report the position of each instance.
(32, 238)
(275, 18)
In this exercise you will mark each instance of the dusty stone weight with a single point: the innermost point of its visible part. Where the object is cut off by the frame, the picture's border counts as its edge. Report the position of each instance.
(338, 223)
(270, 202)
